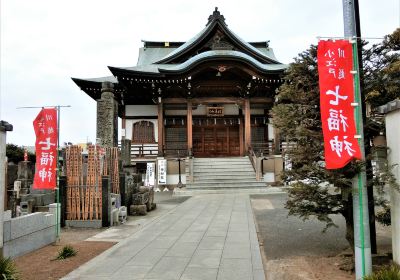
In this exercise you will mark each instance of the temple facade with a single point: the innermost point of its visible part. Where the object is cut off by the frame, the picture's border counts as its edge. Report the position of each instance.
(207, 97)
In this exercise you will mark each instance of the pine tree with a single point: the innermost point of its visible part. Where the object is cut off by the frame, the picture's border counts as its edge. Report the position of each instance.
(316, 191)
(382, 70)
(297, 116)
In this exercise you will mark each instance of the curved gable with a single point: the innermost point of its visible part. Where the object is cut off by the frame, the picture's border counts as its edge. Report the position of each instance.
(215, 36)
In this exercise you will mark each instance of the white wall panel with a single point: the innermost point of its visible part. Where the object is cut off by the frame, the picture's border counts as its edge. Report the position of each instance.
(141, 110)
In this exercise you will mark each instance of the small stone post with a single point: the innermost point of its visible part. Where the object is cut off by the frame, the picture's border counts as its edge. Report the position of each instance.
(4, 127)
(106, 207)
(126, 152)
(63, 199)
(107, 117)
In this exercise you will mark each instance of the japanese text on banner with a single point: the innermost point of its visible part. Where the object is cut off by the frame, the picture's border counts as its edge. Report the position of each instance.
(45, 126)
(335, 62)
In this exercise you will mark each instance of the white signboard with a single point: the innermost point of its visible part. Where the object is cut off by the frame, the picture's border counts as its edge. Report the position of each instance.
(162, 171)
(150, 176)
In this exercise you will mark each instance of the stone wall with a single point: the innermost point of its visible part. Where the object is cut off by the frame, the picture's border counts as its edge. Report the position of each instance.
(28, 233)
(393, 136)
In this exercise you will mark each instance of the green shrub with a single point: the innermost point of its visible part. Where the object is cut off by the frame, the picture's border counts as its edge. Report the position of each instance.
(66, 252)
(8, 271)
(387, 273)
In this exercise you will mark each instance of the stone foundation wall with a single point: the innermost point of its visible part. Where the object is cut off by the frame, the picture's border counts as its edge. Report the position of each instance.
(28, 233)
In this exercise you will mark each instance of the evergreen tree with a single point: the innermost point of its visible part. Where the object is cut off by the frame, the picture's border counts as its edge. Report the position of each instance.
(382, 70)
(297, 116)
(15, 154)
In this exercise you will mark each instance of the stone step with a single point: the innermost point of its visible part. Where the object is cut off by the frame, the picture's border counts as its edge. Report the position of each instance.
(207, 163)
(222, 170)
(222, 163)
(222, 159)
(246, 164)
(228, 185)
(191, 192)
(224, 176)
(227, 174)
(224, 181)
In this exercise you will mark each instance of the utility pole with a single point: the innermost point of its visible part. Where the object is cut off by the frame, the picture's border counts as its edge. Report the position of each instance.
(362, 242)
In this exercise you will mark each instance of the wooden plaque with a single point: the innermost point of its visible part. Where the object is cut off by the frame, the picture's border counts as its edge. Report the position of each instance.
(215, 111)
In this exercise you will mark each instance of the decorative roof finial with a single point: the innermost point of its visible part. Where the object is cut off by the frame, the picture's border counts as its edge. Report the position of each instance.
(216, 15)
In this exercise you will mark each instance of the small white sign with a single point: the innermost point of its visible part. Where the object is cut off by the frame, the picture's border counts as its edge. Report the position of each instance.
(162, 171)
(150, 178)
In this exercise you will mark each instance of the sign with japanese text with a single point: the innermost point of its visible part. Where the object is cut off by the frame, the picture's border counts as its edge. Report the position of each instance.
(162, 171)
(150, 176)
(215, 111)
(45, 126)
(335, 63)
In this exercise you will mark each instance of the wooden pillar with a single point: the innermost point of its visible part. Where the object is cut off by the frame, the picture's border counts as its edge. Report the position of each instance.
(247, 125)
(189, 124)
(160, 117)
(241, 142)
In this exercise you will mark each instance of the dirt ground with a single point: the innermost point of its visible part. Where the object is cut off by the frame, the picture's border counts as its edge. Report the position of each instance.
(290, 254)
(41, 264)
(307, 268)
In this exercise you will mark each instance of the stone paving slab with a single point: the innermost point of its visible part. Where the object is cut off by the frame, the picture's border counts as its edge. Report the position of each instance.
(208, 237)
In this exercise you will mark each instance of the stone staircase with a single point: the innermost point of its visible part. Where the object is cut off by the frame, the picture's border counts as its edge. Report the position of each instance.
(231, 173)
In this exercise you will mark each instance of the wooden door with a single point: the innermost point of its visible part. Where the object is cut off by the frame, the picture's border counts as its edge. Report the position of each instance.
(216, 140)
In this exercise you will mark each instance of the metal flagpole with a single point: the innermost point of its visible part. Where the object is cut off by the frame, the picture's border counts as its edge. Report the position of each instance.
(58, 207)
(58, 177)
(362, 242)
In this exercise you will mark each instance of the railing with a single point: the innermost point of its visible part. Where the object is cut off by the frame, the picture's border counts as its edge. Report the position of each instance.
(268, 148)
(175, 153)
(259, 152)
(144, 150)
(254, 162)
(263, 148)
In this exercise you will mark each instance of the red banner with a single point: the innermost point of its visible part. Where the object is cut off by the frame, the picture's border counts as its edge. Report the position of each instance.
(335, 61)
(45, 126)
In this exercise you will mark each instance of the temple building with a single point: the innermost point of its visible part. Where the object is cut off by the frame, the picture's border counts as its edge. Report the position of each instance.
(207, 97)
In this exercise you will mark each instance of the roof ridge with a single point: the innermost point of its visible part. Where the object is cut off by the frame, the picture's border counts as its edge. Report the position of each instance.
(216, 15)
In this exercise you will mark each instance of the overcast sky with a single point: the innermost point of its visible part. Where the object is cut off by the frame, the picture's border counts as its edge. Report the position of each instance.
(44, 43)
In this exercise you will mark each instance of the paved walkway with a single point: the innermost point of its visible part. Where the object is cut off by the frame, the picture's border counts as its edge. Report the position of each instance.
(206, 237)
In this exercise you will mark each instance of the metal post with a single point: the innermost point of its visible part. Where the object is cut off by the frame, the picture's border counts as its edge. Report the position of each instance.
(58, 177)
(362, 243)
(179, 170)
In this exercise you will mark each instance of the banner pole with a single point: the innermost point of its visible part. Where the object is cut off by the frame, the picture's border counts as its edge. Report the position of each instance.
(58, 207)
(362, 241)
(58, 178)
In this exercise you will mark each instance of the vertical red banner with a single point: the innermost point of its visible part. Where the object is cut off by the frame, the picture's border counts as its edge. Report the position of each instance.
(45, 126)
(335, 63)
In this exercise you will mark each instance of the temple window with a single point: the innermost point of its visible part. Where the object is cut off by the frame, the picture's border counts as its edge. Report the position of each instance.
(143, 132)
